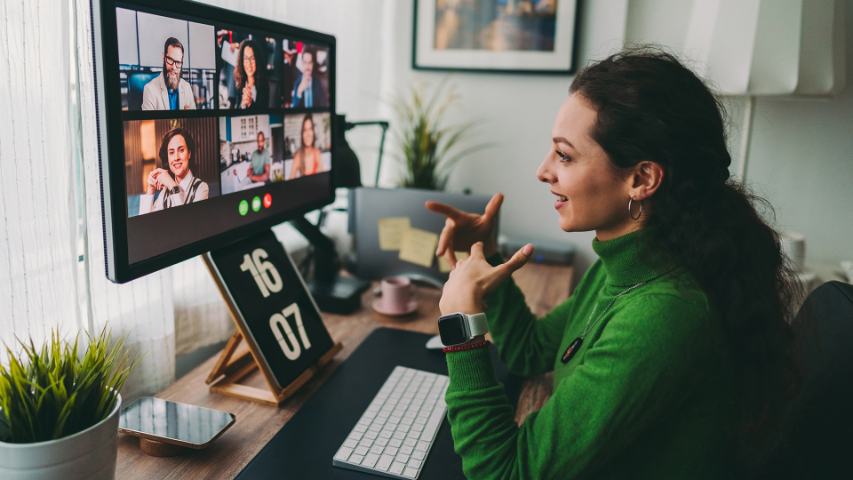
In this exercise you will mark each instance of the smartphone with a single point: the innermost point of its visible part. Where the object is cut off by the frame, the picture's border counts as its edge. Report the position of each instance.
(174, 423)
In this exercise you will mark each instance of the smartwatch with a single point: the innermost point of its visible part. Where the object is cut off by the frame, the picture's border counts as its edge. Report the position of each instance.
(457, 328)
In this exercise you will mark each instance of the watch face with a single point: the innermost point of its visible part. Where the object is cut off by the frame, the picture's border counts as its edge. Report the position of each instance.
(452, 329)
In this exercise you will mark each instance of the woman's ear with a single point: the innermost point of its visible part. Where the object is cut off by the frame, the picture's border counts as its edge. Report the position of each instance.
(645, 179)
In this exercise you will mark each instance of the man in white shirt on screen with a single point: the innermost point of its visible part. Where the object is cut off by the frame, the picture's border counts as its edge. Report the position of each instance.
(169, 91)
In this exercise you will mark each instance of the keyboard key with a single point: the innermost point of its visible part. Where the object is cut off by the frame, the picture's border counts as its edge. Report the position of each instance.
(418, 455)
(356, 459)
(369, 460)
(391, 450)
(397, 468)
(343, 454)
(411, 472)
(384, 462)
(361, 451)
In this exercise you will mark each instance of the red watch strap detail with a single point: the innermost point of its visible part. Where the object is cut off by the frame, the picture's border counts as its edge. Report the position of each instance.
(466, 346)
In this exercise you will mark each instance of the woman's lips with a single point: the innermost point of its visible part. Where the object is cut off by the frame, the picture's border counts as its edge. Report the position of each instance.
(561, 200)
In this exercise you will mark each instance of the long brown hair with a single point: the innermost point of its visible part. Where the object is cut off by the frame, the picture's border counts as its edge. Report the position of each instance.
(240, 76)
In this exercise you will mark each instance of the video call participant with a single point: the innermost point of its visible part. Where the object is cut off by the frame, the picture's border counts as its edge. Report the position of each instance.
(308, 91)
(259, 170)
(169, 91)
(249, 80)
(306, 160)
(177, 186)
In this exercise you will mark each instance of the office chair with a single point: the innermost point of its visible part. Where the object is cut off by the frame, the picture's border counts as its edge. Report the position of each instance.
(818, 436)
(135, 85)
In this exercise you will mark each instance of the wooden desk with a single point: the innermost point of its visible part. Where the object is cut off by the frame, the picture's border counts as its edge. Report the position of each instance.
(544, 287)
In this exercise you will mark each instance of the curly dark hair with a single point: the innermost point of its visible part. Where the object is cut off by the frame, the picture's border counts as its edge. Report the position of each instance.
(240, 76)
(651, 107)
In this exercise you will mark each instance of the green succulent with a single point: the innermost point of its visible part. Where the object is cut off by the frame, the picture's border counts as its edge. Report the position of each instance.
(55, 391)
(429, 148)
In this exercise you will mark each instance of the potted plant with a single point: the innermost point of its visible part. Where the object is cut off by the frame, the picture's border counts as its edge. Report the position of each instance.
(59, 408)
(429, 146)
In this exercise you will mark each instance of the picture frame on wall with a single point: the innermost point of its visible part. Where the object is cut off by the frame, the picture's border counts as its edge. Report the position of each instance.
(507, 36)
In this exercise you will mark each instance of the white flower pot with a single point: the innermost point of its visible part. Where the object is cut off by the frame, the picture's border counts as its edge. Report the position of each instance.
(89, 454)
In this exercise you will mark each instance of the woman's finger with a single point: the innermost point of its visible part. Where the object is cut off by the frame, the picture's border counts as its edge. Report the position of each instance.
(494, 206)
(516, 261)
(445, 209)
(451, 258)
(445, 239)
(477, 250)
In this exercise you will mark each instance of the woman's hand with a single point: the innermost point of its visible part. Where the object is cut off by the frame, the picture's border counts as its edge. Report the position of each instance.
(151, 184)
(463, 229)
(158, 178)
(473, 278)
(246, 100)
(164, 180)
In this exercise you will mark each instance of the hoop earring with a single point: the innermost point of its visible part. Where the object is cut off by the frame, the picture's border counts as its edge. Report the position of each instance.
(631, 213)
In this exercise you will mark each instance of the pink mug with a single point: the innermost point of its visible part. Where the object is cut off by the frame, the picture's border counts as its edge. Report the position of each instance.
(397, 294)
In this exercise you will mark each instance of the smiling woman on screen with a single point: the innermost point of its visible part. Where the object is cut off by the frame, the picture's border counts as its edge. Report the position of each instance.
(671, 359)
(176, 186)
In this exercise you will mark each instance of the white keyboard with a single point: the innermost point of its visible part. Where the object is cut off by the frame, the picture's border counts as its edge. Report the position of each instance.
(393, 436)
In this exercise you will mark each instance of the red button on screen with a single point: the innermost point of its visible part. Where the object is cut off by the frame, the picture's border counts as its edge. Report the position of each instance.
(267, 200)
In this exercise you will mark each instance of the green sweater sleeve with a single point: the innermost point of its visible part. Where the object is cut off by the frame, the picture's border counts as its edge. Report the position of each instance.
(526, 345)
(628, 378)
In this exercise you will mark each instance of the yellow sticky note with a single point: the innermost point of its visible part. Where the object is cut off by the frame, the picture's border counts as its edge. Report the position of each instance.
(391, 231)
(418, 246)
(444, 265)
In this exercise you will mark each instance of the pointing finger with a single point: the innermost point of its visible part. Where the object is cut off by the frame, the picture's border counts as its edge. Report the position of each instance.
(494, 205)
(444, 209)
(517, 260)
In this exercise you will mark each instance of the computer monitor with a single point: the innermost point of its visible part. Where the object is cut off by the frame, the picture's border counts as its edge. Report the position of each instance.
(213, 125)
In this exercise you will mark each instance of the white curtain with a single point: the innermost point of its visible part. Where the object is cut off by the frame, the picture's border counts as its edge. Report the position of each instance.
(51, 246)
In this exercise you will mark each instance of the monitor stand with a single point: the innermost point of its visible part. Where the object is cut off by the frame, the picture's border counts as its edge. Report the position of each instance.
(332, 292)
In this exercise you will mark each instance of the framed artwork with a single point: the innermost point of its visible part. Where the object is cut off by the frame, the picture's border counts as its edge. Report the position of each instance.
(517, 36)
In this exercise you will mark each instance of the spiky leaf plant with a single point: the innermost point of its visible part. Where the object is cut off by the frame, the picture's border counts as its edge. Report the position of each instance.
(55, 390)
(430, 148)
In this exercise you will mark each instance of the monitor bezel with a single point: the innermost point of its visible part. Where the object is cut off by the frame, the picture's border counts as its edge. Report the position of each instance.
(111, 138)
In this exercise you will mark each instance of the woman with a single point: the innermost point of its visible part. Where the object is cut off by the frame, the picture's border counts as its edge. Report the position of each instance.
(251, 84)
(306, 160)
(673, 348)
(176, 186)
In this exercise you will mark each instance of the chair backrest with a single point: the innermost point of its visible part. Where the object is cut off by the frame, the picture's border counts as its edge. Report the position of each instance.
(135, 85)
(818, 439)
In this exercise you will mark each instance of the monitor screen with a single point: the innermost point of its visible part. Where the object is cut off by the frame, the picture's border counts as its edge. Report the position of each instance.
(214, 125)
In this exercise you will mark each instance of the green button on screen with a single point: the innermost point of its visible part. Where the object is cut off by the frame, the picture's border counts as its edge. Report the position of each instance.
(243, 208)
(256, 204)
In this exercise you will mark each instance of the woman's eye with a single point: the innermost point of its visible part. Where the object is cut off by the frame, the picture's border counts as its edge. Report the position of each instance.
(563, 157)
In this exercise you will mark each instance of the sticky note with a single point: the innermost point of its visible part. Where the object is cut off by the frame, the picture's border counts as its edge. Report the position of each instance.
(418, 246)
(391, 231)
(444, 265)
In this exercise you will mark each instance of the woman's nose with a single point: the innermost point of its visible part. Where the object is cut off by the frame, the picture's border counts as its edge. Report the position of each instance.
(543, 173)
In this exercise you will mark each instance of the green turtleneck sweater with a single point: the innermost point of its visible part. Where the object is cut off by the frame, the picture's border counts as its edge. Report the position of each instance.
(647, 395)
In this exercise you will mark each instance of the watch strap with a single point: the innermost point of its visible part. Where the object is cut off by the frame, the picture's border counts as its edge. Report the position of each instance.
(480, 343)
(477, 324)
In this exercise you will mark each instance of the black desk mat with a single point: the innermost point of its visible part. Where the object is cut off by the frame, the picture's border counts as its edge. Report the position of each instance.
(304, 447)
